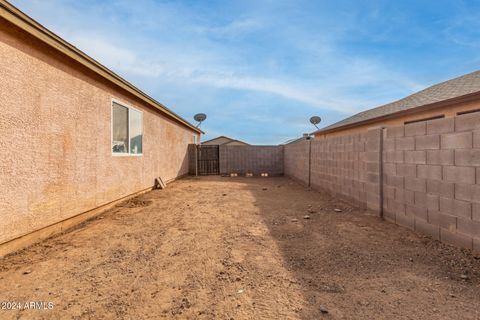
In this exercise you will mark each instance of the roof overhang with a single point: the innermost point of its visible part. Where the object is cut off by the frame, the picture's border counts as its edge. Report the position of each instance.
(24, 22)
(439, 104)
(231, 140)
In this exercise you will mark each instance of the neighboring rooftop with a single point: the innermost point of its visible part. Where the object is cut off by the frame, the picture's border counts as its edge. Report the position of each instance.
(454, 88)
(224, 140)
(305, 136)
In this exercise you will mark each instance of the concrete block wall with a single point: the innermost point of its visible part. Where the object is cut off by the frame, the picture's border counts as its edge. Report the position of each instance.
(296, 160)
(251, 159)
(432, 178)
(346, 166)
(424, 175)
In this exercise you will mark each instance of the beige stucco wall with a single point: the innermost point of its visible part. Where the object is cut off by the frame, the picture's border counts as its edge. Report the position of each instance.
(448, 112)
(55, 137)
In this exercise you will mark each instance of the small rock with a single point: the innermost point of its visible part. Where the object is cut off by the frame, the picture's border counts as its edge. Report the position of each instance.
(411, 259)
(294, 220)
(240, 291)
(337, 210)
(306, 217)
(452, 295)
(464, 277)
(264, 189)
(311, 211)
(323, 309)
(224, 194)
(27, 271)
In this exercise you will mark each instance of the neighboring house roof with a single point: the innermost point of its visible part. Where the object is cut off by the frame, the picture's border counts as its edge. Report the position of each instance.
(236, 142)
(224, 140)
(296, 139)
(448, 91)
(24, 22)
(292, 140)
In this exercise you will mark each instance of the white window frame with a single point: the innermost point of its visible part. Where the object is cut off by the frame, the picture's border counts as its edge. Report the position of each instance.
(125, 105)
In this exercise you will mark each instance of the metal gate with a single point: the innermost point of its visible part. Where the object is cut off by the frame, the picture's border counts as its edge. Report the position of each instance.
(208, 160)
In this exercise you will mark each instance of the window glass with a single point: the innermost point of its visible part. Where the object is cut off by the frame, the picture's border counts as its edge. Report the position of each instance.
(119, 129)
(194, 139)
(136, 132)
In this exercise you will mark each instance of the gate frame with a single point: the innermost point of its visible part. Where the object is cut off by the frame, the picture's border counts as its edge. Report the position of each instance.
(197, 159)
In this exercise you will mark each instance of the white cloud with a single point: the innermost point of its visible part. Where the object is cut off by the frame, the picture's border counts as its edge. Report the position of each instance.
(127, 61)
(172, 44)
(327, 93)
(233, 29)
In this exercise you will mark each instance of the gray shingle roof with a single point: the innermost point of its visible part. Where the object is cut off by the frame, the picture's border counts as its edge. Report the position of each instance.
(463, 85)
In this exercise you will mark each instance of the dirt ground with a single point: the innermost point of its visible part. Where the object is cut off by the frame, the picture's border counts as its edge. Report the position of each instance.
(241, 248)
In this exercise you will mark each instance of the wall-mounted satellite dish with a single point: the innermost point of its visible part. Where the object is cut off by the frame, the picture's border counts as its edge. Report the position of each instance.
(200, 117)
(315, 120)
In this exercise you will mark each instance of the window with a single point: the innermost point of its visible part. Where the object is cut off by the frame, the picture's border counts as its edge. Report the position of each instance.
(425, 119)
(136, 131)
(119, 128)
(467, 112)
(195, 139)
(127, 130)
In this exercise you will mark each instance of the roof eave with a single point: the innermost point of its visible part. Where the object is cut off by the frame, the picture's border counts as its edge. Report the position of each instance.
(24, 22)
(443, 103)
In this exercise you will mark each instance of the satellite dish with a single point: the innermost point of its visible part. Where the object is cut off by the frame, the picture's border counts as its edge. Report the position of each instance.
(200, 117)
(315, 120)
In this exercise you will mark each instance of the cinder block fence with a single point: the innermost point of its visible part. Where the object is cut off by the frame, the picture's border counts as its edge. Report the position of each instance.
(251, 159)
(347, 166)
(424, 175)
(432, 178)
(243, 160)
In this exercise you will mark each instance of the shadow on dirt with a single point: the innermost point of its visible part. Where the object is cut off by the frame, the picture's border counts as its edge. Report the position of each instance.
(351, 264)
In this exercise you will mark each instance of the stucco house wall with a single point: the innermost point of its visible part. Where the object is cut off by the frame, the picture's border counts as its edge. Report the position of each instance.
(449, 111)
(55, 134)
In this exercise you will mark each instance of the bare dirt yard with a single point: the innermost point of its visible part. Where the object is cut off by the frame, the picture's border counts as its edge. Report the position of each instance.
(241, 248)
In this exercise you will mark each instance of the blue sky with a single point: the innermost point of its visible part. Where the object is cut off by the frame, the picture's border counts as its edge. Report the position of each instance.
(260, 69)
